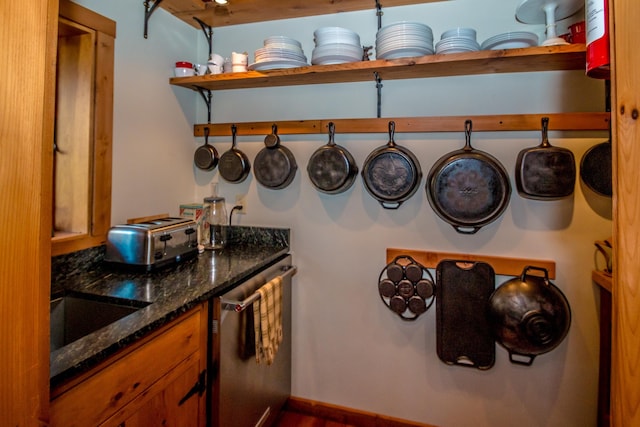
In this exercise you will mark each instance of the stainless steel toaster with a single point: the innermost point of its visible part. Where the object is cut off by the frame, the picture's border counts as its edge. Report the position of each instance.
(152, 244)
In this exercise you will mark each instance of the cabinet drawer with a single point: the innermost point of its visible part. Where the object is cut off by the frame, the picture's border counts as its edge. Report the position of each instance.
(99, 396)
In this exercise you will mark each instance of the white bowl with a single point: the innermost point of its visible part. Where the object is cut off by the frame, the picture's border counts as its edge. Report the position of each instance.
(184, 72)
(216, 59)
(459, 32)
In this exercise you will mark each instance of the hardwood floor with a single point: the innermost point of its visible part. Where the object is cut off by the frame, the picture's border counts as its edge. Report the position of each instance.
(299, 412)
(294, 419)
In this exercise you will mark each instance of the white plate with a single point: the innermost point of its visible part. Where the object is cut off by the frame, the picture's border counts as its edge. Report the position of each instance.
(339, 48)
(459, 32)
(276, 64)
(403, 53)
(455, 50)
(458, 42)
(405, 25)
(330, 35)
(334, 59)
(510, 40)
(281, 40)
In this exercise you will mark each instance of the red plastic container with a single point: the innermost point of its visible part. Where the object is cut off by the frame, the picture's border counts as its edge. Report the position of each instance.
(578, 34)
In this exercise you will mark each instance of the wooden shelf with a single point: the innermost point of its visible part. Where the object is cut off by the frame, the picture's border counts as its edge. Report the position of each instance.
(531, 59)
(247, 11)
(481, 123)
(501, 265)
(541, 58)
(602, 279)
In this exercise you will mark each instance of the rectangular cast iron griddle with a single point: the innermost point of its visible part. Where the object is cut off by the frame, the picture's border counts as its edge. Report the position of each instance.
(463, 290)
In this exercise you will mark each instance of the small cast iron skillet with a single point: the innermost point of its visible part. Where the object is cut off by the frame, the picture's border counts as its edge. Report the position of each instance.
(206, 156)
(391, 173)
(331, 168)
(274, 165)
(234, 165)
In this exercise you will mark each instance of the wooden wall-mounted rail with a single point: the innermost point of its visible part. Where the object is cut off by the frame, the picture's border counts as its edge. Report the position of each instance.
(501, 265)
(481, 123)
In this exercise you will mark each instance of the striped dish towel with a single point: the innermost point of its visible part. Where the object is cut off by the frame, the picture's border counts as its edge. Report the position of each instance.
(267, 321)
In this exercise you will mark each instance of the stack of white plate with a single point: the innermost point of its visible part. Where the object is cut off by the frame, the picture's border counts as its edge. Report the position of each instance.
(510, 40)
(458, 40)
(404, 39)
(279, 52)
(335, 45)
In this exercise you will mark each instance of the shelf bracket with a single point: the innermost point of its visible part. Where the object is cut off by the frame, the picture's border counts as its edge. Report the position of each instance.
(208, 33)
(149, 7)
(379, 90)
(207, 100)
(379, 13)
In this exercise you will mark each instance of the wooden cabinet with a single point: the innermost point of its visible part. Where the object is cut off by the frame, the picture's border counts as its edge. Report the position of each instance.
(83, 130)
(159, 381)
(625, 292)
(26, 131)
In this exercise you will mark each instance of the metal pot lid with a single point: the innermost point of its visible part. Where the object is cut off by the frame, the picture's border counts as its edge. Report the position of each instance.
(468, 188)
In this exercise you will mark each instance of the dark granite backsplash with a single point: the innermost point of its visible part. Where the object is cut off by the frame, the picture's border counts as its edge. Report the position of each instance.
(69, 265)
(258, 236)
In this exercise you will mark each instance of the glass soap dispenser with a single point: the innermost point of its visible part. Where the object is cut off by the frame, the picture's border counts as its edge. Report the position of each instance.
(217, 220)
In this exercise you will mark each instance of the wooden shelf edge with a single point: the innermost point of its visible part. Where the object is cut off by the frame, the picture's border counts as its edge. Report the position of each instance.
(501, 265)
(601, 279)
(481, 123)
(531, 59)
(248, 11)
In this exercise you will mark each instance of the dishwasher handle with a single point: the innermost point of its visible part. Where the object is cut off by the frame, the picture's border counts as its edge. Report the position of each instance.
(240, 306)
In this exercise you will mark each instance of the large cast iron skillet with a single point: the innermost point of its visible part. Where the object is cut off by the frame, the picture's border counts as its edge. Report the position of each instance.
(468, 188)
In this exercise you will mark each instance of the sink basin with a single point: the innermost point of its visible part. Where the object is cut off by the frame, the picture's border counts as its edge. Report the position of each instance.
(74, 316)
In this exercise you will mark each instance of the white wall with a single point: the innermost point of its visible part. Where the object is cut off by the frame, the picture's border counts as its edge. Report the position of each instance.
(349, 349)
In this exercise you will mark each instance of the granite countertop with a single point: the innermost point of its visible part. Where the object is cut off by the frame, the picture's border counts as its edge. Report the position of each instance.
(171, 291)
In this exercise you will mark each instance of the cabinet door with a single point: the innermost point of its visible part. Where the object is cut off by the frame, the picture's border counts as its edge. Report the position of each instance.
(116, 392)
(175, 405)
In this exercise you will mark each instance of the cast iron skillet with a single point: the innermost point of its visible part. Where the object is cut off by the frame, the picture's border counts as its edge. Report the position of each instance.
(545, 172)
(331, 168)
(234, 165)
(206, 156)
(274, 165)
(391, 173)
(468, 188)
(595, 168)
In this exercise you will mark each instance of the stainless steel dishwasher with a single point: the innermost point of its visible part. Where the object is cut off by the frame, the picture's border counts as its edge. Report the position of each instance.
(242, 392)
